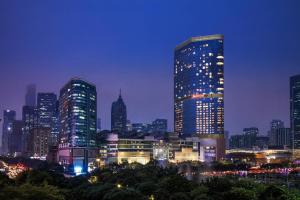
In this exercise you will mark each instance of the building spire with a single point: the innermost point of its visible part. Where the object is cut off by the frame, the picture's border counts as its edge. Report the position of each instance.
(120, 94)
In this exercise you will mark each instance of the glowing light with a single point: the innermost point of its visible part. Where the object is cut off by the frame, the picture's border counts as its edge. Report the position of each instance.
(119, 185)
(77, 170)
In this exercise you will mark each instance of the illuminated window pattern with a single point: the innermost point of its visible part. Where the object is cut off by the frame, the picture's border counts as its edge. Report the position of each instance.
(199, 86)
(78, 114)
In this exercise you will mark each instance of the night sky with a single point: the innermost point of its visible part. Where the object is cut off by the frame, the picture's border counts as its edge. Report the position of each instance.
(130, 44)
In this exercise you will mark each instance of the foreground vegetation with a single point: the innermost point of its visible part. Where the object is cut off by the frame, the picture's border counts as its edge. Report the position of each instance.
(135, 182)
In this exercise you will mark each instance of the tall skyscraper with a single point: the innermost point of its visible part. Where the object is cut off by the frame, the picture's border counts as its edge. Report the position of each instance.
(15, 138)
(48, 113)
(275, 124)
(295, 109)
(46, 105)
(160, 125)
(29, 118)
(98, 125)
(199, 86)
(118, 115)
(250, 135)
(78, 113)
(30, 96)
(9, 116)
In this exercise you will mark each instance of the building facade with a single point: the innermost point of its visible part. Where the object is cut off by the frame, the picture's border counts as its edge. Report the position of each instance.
(160, 125)
(40, 140)
(199, 86)
(78, 125)
(30, 96)
(78, 114)
(30, 119)
(9, 116)
(295, 110)
(119, 115)
(15, 138)
(274, 125)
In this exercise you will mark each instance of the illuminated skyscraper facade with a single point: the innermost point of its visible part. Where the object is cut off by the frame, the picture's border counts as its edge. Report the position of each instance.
(199, 86)
(78, 114)
(119, 115)
(295, 109)
(9, 116)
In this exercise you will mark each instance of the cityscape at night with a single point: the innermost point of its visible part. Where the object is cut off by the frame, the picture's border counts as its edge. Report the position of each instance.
(150, 100)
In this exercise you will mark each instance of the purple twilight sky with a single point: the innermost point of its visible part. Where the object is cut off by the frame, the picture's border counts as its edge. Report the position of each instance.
(129, 45)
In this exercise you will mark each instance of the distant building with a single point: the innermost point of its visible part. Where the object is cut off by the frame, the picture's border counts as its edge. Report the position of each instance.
(160, 125)
(98, 125)
(29, 118)
(30, 96)
(275, 124)
(15, 138)
(199, 86)
(226, 136)
(9, 116)
(250, 135)
(48, 114)
(236, 142)
(40, 138)
(262, 142)
(295, 109)
(118, 115)
(283, 137)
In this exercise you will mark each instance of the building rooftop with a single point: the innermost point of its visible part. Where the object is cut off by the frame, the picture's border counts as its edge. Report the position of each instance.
(199, 38)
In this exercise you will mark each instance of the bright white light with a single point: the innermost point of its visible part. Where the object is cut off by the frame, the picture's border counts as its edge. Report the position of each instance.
(77, 170)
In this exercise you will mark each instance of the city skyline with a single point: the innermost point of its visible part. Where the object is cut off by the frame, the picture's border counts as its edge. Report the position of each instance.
(145, 72)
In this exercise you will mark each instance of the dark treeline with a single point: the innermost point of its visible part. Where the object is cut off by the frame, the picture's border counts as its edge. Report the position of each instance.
(135, 182)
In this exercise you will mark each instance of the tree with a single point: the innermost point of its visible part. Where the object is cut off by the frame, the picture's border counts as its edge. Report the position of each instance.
(240, 194)
(124, 194)
(179, 196)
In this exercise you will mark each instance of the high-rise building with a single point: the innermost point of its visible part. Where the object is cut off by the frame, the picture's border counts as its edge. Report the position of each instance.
(275, 124)
(295, 109)
(118, 115)
(250, 135)
(78, 126)
(199, 86)
(30, 96)
(47, 107)
(236, 142)
(160, 125)
(283, 137)
(39, 144)
(15, 138)
(78, 113)
(30, 119)
(9, 116)
(98, 125)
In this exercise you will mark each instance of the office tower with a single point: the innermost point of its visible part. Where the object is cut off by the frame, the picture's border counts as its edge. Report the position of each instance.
(262, 142)
(295, 109)
(29, 118)
(274, 125)
(78, 113)
(9, 116)
(39, 144)
(283, 137)
(48, 113)
(118, 115)
(98, 125)
(236, 142)
(78, 125)
(226, 137)
(250, 135)
(30, 96)
(199, 86)
(128, 126)
(160, 125)
(15, 138)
